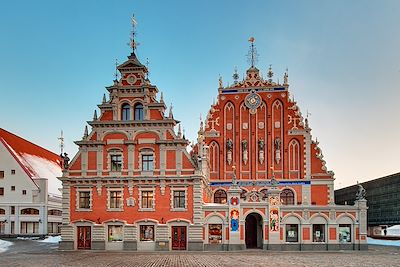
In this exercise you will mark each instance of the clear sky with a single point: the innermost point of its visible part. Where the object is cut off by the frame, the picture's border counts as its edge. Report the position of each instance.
(343, 56)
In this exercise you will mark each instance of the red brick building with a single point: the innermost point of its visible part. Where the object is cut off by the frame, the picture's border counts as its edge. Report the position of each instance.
(255, 178)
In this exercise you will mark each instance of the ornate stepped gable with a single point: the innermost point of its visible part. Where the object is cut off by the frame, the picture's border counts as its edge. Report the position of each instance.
(256, 126)
(130, 121)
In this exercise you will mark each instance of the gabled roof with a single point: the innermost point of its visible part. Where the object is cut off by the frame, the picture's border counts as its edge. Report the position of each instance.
(132, 62)
(35, 160)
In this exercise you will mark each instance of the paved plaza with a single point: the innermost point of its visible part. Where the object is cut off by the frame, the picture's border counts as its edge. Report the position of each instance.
(33, 253)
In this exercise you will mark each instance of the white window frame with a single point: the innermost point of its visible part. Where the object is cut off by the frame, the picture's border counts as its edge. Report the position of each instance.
(147, 151)
(153, 208)
(78, 190)
(115, 151)
(173, 189)
(115, 189)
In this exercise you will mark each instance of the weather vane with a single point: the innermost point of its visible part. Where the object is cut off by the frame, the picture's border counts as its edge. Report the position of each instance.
(252, 55)
(132, 42)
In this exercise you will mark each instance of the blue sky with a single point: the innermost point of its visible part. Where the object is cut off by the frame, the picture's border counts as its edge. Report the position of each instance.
(56, 57)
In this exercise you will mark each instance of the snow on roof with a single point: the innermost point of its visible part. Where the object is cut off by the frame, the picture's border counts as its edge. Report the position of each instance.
(36, 161)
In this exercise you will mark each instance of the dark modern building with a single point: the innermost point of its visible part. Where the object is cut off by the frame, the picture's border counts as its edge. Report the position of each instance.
(383, 196)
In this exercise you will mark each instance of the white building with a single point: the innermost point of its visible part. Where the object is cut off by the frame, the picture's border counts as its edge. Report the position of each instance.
(30, 200)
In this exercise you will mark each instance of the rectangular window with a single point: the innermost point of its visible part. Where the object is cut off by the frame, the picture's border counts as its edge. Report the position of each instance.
(1, 191)
(318, 232)
(147, 162)
(115, 233)
(12, 172)
(215, 233)
(12, 208)
(179, 199)
(116, 163)
(29, 227)
(147, 199)
(1, 174)
(344, 233)
(24, 192)
(292, 233)
(13, 188)
(115, 199)
(84, 200)
(147, 233)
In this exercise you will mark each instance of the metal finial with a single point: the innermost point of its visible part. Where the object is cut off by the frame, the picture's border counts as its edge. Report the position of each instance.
(116, 70)
(147, 66)
(235, 76)
(252, 55)
(132, 42)
(270, 73)
(61, 139)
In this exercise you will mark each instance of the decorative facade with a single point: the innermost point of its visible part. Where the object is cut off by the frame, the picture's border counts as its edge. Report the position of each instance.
(30, 199)
(254, 179)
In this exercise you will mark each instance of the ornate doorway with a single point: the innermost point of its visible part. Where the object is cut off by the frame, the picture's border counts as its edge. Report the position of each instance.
(84, 237)
(178, 237)
(254, 231)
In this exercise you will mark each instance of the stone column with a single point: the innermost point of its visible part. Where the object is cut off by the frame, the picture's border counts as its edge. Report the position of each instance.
(234, 218)
(361, 204)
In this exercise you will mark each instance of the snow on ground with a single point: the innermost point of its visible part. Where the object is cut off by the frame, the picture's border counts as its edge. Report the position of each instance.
(4, 245)
(51, 239)
(28, 238)
(372, 241)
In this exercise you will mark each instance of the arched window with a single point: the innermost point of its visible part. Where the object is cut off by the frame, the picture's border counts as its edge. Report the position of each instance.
(2, 211)
(287, 197)
(264, 193)
(126, 112)
(138, 112)
(220, 196)
(29, 211)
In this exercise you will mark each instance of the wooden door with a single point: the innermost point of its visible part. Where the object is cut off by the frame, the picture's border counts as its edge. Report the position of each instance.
(84, 237)
(251, 231)
(179, 237)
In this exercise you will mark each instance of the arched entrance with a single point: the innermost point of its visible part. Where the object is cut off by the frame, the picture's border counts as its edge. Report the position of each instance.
(254, 231)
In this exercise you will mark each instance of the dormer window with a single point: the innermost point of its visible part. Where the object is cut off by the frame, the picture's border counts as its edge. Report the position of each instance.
(125, 112)
(139, 112)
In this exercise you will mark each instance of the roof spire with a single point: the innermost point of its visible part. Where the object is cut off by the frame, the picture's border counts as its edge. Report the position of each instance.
(61, 139)
(179, 131)
(270, 73)
(170, 115)
(95, 115)
(85, 133)
(132, 42)
(104, 98)
(235, 76)
(252, 55)
(162, 97)
(183, 130)
(116, 70)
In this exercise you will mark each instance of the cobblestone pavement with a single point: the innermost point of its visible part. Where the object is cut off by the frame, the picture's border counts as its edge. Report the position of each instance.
(30, 253)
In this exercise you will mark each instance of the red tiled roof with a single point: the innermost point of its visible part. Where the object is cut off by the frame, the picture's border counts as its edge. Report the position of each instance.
(36, 161)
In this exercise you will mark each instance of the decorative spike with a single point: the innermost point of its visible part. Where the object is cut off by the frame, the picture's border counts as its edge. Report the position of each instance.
(85, 133)
(179, 131)
(104, 98)
(162, 97)
(183, 129)
(221, 83)
(270, 74)
(235, 76)
(95, 115)
(170, 115)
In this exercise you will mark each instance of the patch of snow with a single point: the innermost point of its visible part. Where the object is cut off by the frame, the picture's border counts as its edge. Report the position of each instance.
(51, 239)
(393, 230)
(4, 245)
(372, 241)
(28, 238)
(44, 168)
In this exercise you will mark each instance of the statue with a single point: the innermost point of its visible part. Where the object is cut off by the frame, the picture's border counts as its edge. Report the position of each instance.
(66, 160)
(361, 192)
(244, 151)
(195, 159)
(277, 144)
(244, 145)
(229, 144)
(261, 144)
(234, 179)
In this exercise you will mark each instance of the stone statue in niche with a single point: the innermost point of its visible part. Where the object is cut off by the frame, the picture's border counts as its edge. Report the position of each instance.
(361, 192)
(229, 148)
(245, 155)
(261, 145)
(277, 145)
(66, 160)
(195, 159)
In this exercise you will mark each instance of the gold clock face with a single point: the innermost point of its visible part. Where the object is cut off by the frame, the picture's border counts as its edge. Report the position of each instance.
(253, 101)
